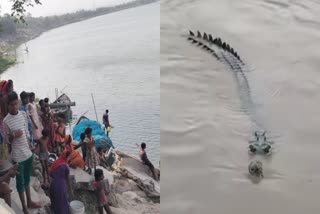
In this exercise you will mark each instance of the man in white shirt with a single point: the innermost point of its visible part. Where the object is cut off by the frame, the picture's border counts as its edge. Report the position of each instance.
(16, 134)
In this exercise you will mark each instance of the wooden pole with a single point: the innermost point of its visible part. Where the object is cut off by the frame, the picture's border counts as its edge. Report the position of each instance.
(94, 105)
(56, 90)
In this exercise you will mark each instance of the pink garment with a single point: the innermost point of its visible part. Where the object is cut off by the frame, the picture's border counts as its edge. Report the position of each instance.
(101, 194)
(32, 111)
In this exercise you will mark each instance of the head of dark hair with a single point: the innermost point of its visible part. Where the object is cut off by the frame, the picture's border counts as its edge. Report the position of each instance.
(44, 106)
(61, 115)
(46, 100)
(100, 149)
(24, 95)
(82, 136)
(9, 84)
(97, 174)
(12, 96)
(45, 132)
(107, 111)
(32, 94)
(88, 130)
(143, 145)
(41, 102)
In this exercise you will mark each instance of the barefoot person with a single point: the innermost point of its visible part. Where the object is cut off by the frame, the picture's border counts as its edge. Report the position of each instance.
(100, 190)
(145, 160)
(43, 154)
(91, 159)
(48, 123)
(16, 134)
(106, 122)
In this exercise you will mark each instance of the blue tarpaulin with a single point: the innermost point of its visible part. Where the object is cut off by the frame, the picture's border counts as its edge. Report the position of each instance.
(100, 137)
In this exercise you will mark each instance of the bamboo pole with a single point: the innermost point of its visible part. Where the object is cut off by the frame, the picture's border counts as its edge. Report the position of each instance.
(94, 105)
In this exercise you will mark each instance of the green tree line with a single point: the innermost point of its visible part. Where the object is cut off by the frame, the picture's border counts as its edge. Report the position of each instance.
(16, 33)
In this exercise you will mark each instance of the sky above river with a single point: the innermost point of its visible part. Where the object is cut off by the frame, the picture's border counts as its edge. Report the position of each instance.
(57, 7)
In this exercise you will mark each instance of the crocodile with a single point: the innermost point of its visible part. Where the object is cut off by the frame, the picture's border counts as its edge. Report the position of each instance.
(224, 53)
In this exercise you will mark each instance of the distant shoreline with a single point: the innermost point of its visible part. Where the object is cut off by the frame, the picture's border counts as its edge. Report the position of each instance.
(10, 42)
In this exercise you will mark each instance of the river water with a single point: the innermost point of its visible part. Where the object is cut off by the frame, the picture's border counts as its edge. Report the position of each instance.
(115, 57)
(205, 131)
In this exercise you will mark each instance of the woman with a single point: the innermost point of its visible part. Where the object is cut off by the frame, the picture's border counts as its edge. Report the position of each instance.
(59, 171)
(74, 159)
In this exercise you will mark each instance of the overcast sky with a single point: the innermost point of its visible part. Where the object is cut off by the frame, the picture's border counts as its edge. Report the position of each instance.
(56, 7)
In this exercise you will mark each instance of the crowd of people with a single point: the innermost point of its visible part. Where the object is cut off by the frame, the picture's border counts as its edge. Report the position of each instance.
(29, 132)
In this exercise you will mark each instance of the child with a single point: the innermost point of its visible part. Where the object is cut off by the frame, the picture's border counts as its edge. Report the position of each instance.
(100, 189)
(60, 133)
(145, 160)
(43, 154)
(47, 122)
(91, 150)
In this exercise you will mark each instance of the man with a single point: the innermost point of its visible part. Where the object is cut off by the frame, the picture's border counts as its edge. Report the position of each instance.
(16, 134)
(105, 120)
(7, 171)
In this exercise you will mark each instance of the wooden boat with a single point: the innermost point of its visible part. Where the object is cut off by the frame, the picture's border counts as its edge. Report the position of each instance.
(62, 101)
(62, 105)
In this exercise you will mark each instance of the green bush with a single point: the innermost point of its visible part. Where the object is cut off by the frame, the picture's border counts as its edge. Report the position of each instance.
(5, 64)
